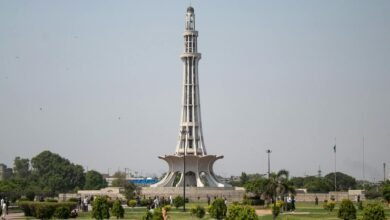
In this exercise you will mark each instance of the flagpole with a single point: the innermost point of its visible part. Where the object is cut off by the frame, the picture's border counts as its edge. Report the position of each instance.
(334, 148)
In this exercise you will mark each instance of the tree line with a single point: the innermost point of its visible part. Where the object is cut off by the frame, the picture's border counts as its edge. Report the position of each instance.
(48, 174)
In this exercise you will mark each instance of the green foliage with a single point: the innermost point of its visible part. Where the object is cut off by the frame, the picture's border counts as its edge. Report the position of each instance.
(374, 211)
(329, 205)
(21, 168)
(56, 174)
(347, 210)
(257, 186)
(344, 181)
(100, 208)
(198, 211)
(117, 209)
(237, 212)
(275, 210)
(360, 205)
(386, 193)
(178, 201)
(132, 203)
(244, 178)
(218, 209)
(167, 208)
(62, 212)
(94, 180)
(120, 181)
(44, 210)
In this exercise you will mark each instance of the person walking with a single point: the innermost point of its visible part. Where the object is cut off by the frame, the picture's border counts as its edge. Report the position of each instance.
(3, 210)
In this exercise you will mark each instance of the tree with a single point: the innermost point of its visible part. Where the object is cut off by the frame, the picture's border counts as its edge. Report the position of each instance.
(257, 187)
(278, 184)
(21, 168)
(56, 174)
(243, 178)
(120, 181)
(386, 193)
(344, 182)
(117, 209)
(178, 201)
(347, 210)
(218, 209)
(100, 209)
(94, 180)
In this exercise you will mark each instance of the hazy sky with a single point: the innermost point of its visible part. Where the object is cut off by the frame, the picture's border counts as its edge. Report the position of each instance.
(99, 82)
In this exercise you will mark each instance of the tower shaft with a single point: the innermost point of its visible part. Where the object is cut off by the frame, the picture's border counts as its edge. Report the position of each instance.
(190, 139)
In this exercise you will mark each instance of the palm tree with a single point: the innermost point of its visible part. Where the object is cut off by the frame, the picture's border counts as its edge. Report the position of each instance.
(278, 184)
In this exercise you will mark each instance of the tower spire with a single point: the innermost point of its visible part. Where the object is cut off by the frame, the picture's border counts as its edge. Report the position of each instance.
(190, 136)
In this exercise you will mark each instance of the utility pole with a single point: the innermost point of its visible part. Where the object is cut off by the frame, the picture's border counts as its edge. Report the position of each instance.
(384, 172)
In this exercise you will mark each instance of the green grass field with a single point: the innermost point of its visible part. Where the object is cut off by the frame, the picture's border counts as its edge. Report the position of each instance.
(304, 211)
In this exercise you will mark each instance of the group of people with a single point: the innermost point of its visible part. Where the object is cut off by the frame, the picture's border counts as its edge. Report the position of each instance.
(289, 203)
(4, 207)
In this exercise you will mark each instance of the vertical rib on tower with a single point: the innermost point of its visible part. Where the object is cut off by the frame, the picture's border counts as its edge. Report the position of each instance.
(190, 139)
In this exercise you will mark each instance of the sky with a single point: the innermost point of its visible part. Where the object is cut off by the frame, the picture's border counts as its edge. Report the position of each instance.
(99, 82)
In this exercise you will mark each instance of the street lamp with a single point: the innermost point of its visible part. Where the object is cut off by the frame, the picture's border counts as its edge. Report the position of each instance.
(269, 162)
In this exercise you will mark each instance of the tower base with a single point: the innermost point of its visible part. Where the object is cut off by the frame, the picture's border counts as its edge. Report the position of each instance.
(198, 171)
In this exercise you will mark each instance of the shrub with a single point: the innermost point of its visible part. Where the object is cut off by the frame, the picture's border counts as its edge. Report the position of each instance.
(360, 205)
(117, 209)
(132, 203)
(347, 210)
(167, 208)
(144, 202)
(198, 211)
(51, 200)
(374, 211)
(237, 212)
(62, 212)
(73, 200)
(44, 211)
(178, 201)
(100, 208)
(218, 209)
(329, 205)
(275, 210)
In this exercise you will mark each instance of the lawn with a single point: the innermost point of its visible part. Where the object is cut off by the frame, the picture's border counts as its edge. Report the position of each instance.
(304, 211)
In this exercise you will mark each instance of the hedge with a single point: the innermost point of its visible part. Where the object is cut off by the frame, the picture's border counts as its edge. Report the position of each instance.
(44, 210)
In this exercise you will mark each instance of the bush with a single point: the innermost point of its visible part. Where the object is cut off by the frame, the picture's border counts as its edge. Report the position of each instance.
(117, 210)
(51, 200)
(43, 210)
(237, 212)
(198, 211)
(347, 210)
(132, 203)
(100, 208)
(144, 202)
(374, 211)
(275, 210)
(329, 205)
(62, 212)
(178, 201)
(73, 200)
(167, 208)
(360, 205)
(218, 209)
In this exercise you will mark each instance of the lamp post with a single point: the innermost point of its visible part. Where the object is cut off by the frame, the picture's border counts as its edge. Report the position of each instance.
(269, 162)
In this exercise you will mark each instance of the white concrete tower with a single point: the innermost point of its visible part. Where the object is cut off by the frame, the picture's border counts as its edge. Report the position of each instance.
(190, 139)
(190, 164)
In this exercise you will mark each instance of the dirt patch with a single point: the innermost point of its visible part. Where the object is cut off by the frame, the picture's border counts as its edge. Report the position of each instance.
(262, 212)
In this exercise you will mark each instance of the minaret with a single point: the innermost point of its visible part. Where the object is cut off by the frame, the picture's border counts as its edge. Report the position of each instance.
(190, 135)
(190, 164)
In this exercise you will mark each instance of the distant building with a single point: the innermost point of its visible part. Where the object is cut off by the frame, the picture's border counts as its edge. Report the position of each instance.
(5, 173)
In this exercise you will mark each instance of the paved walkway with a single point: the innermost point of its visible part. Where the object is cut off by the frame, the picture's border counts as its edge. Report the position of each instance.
(14, 216)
